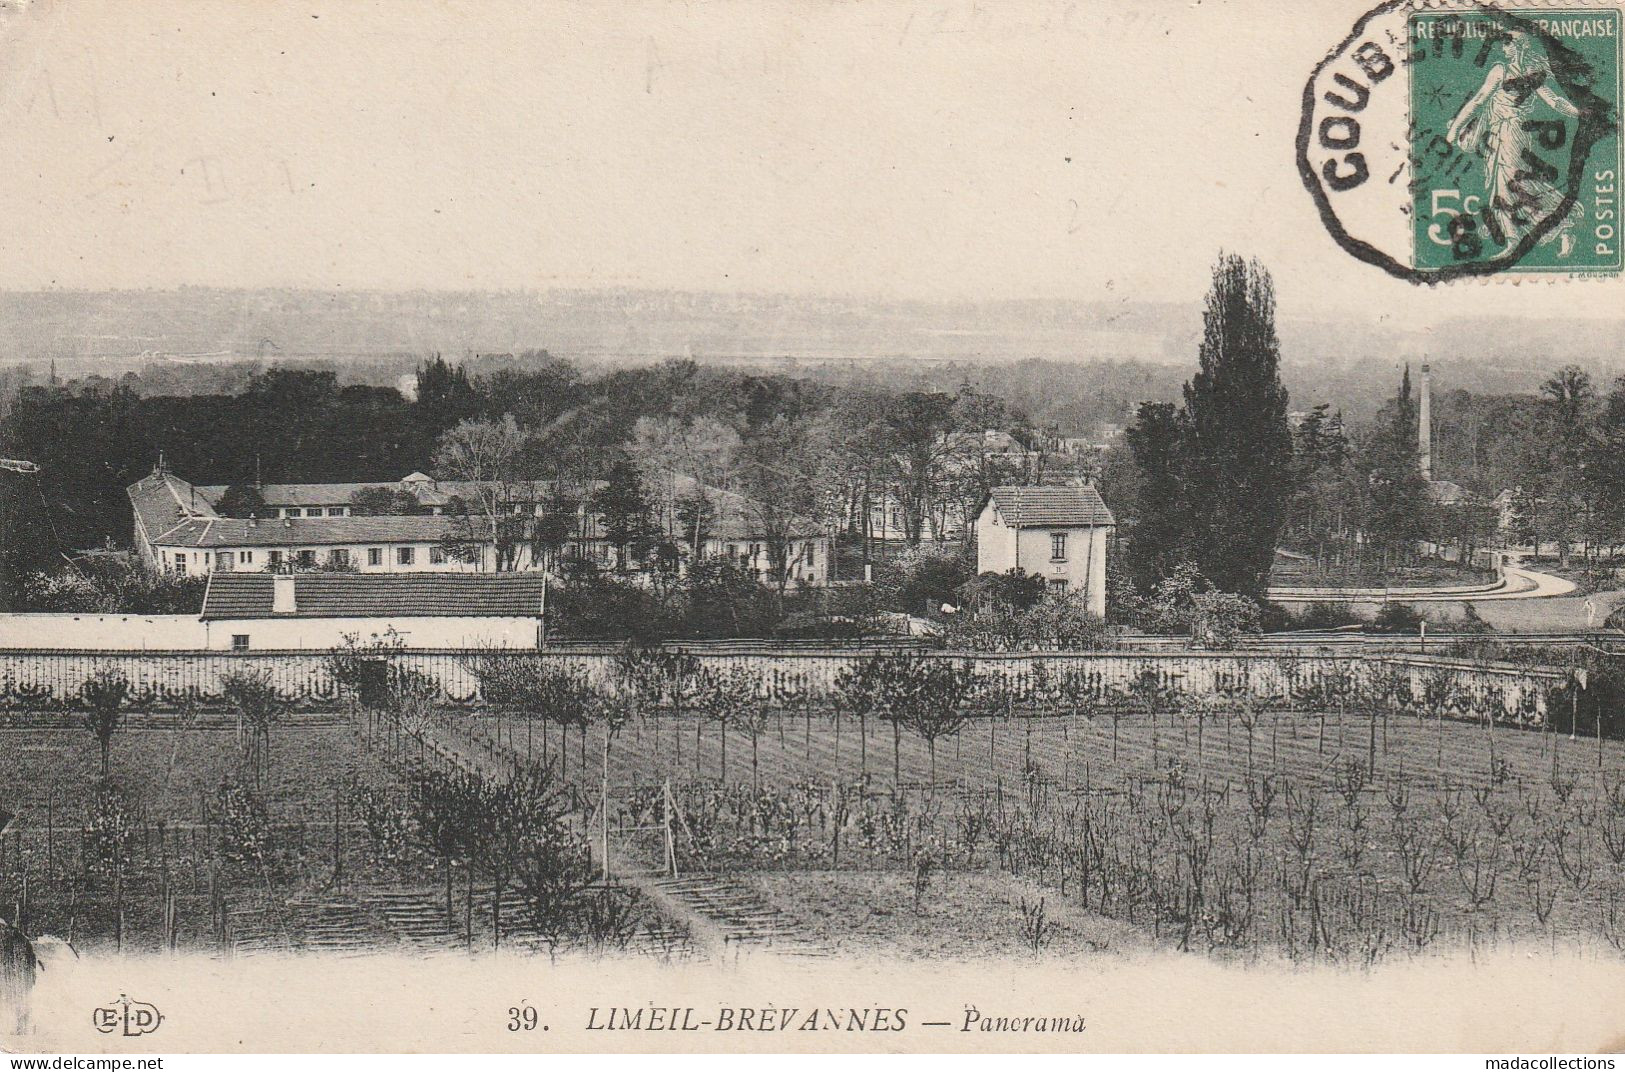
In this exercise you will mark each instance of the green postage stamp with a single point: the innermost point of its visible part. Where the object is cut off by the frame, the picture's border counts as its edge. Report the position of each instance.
(1446, 140)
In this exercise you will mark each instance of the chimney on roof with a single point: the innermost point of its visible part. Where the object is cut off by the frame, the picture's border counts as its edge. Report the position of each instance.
(282, 594)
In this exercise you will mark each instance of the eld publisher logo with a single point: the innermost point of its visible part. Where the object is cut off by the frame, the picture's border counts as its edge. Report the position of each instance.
(129, 1018)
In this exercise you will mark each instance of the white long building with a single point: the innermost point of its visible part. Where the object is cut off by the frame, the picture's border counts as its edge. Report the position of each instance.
(178, 529)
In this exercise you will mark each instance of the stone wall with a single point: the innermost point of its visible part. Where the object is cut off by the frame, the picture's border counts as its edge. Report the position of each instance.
(162, 681)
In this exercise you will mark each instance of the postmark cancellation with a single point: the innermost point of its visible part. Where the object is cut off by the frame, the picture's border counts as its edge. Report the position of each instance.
(1449, 140)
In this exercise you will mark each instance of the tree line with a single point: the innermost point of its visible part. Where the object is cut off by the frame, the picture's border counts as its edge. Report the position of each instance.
(619, 442)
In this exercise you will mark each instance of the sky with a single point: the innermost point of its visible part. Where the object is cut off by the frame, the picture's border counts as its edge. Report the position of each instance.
(1093, 151)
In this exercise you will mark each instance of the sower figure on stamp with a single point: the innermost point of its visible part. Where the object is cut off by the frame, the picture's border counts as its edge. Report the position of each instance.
(1494, 124)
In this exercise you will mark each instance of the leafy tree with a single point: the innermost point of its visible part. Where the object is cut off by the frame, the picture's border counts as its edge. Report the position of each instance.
(104, 694)
(445, 812)
(444, 394)
(624, 509)
(1568, 406)
(927, 581)
(733, 698)
(1239, 469)
(241, 500)
(1161, 532)
(781, 499)
(725, 600)
(1219, 619)
(1396, 500)
(384, 501)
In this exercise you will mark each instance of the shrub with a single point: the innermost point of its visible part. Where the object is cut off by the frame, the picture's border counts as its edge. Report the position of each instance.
(1056, 623)
(925, 580)
(244, 825)
(1014, 589)
(112, 585)
(722, 599)
(1396, 618)
(1219, 619)
(598, 606)
(1324, 615)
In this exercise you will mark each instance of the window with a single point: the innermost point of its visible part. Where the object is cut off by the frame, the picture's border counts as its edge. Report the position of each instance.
(809, 556)
(335, 511)
(375, 556)
(239, 642)
(1058, 586)
(307, 558)
(1057, 547)
(225, 560)
(437, 554)
(248, 558)
(404, 556)
(275, 559)
(340, 557)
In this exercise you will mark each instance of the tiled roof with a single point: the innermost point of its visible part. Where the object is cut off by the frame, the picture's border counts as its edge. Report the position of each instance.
(299, 494)
(164, 501)
(318, 531)
(378, 595)
(1041, 506)
(184, 515)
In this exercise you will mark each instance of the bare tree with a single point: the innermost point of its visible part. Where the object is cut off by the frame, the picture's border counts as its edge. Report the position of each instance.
(488, 455)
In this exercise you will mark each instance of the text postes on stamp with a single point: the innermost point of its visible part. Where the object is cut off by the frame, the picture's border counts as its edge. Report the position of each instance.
(1452, 140)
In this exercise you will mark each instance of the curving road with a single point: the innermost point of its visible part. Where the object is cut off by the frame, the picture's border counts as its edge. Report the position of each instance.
(1519, 583)
(1532, 585)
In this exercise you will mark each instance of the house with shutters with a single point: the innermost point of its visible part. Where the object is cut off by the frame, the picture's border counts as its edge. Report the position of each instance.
(1058, 533)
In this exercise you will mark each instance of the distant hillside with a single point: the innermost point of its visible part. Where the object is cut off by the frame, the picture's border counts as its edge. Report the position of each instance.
(1350, 363)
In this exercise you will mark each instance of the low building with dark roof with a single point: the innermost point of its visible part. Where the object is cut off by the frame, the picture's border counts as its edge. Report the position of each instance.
(1059, 533)
(301, 611)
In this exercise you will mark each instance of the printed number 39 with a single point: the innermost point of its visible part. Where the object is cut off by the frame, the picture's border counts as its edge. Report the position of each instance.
(522, 1018)
(1459, 230)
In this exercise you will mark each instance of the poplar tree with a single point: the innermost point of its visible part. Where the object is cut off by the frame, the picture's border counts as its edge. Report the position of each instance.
(1239, 476)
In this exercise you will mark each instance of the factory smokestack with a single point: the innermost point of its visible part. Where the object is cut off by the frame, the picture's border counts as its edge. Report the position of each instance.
(1424, 428)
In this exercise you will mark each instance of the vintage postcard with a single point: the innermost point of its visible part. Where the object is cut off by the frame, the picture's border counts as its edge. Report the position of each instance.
(788, 527)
